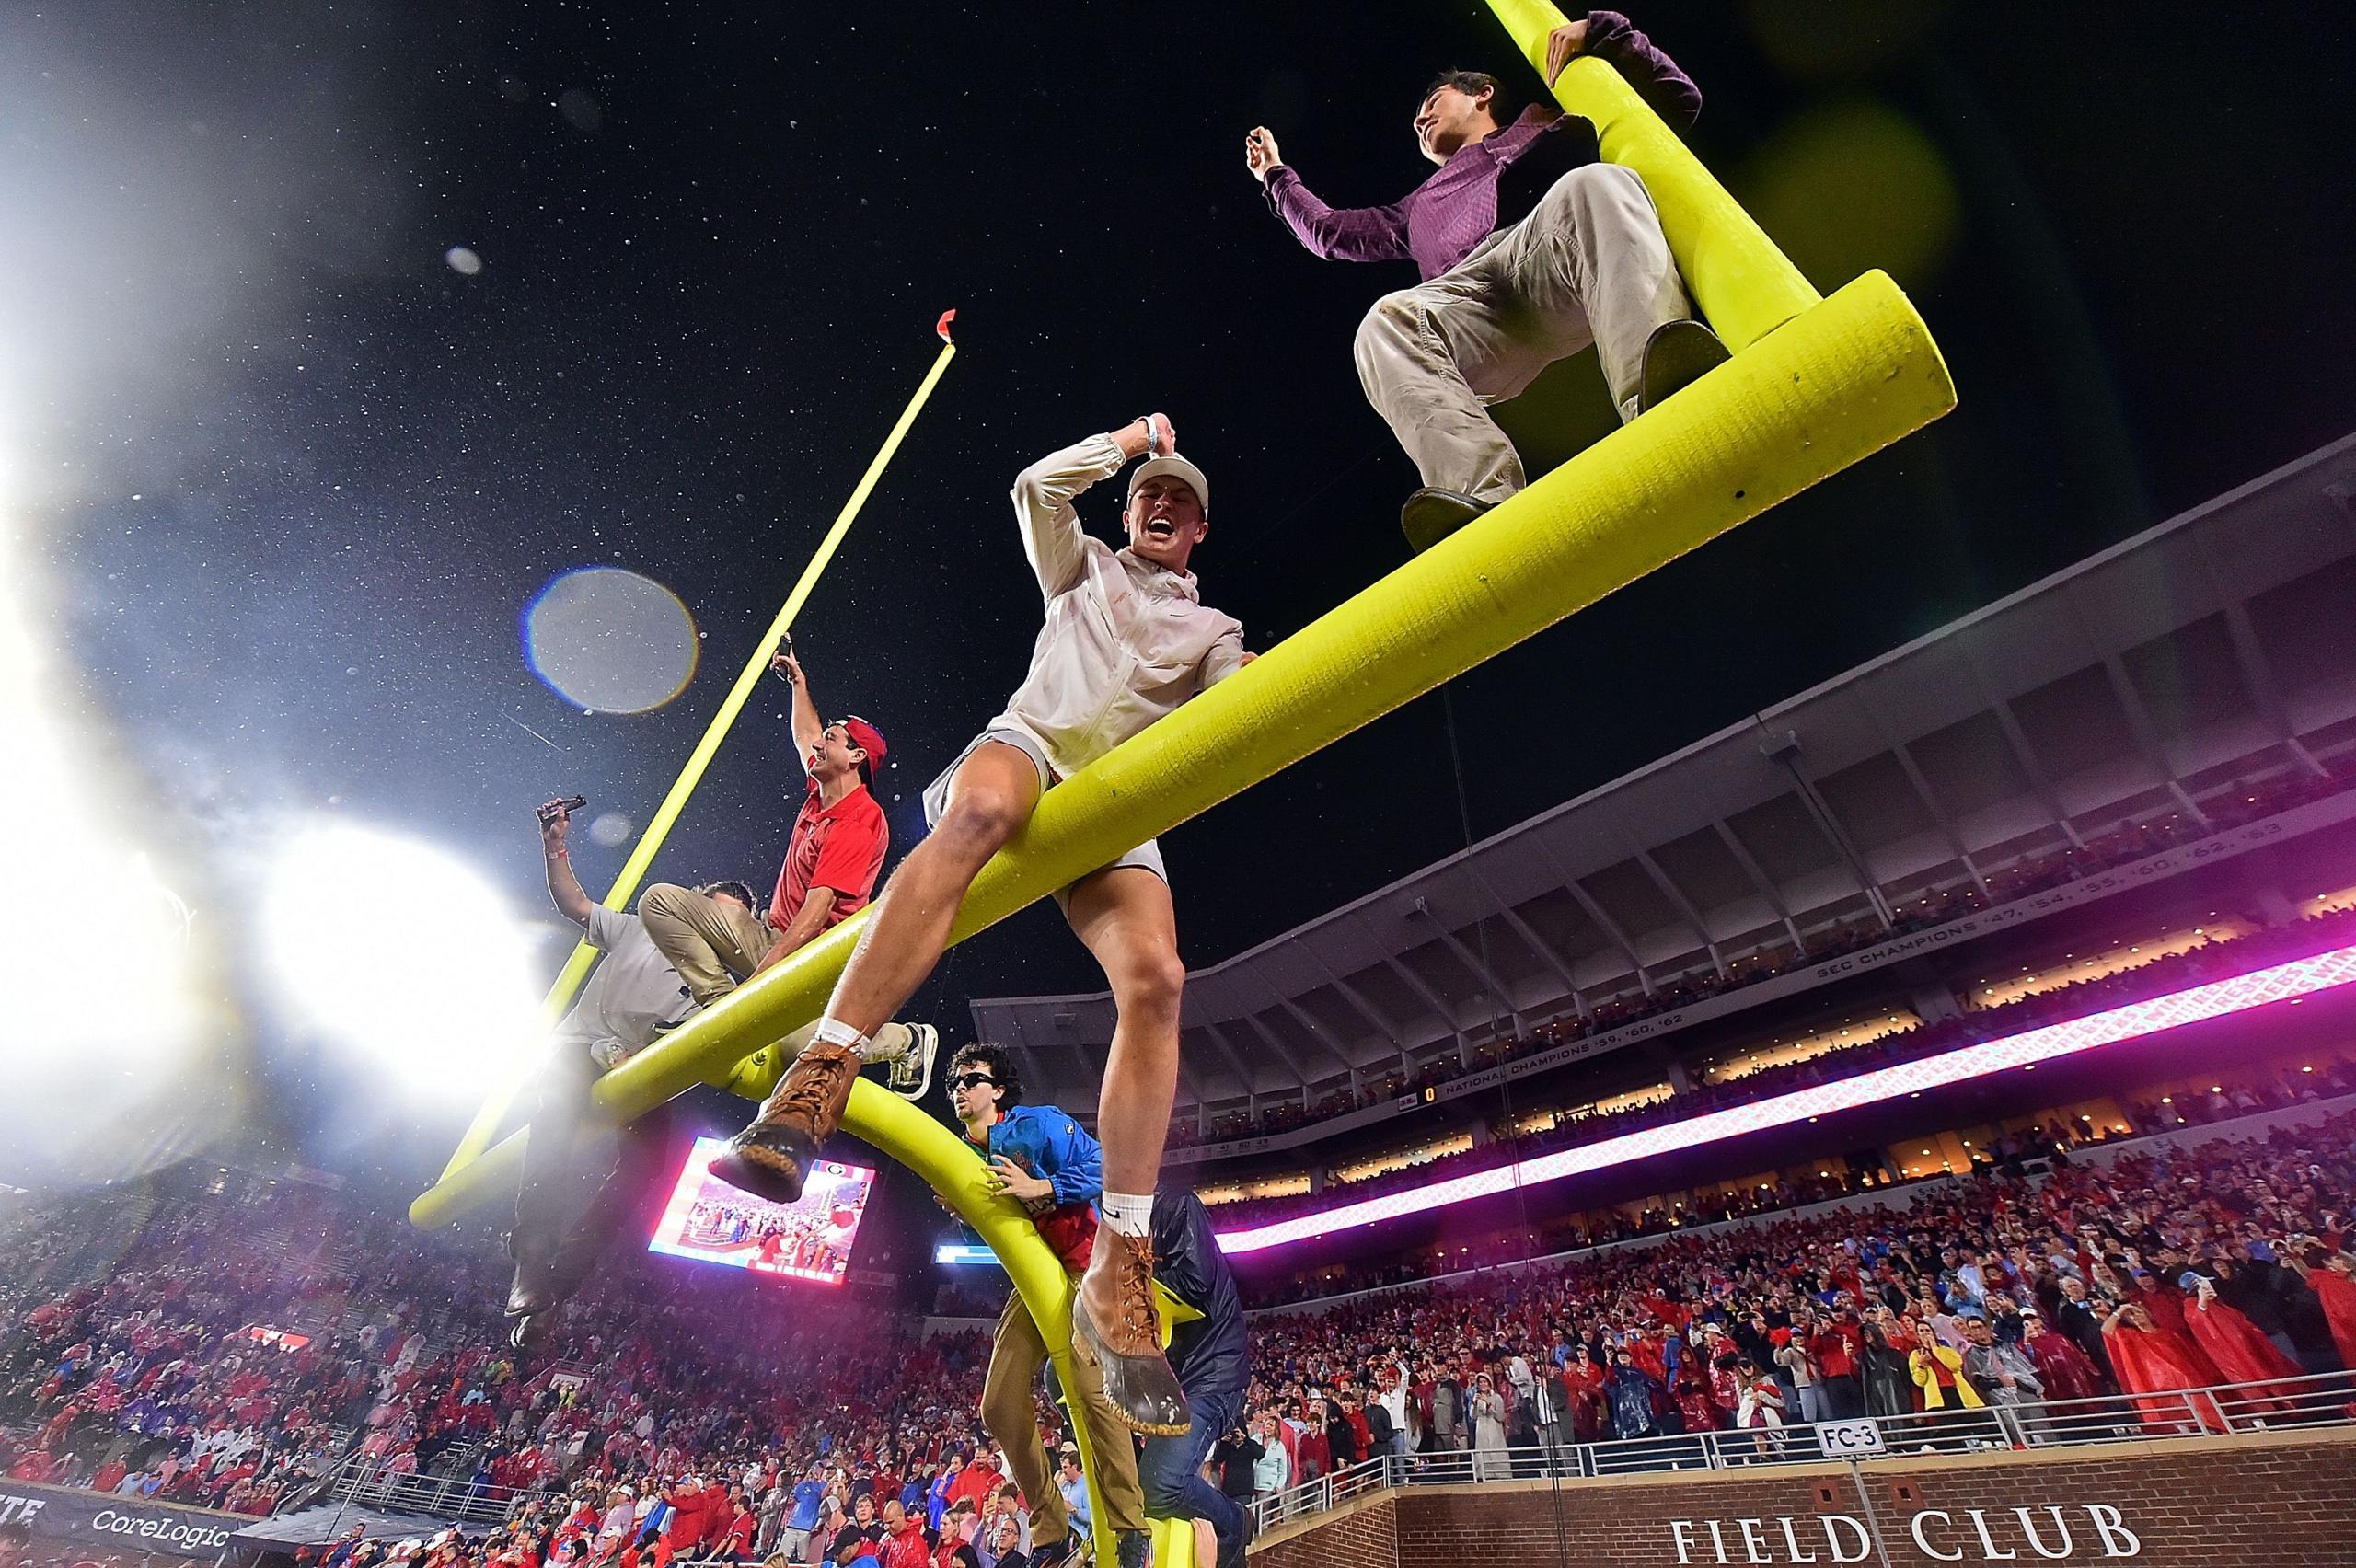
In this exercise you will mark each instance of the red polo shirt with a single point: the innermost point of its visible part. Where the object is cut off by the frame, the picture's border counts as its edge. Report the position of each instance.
(839, 847)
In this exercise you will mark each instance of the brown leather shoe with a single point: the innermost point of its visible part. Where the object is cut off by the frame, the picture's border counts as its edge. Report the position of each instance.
(531, 1330)
(535, 1288)
(767, 1158)
(1114, 1326)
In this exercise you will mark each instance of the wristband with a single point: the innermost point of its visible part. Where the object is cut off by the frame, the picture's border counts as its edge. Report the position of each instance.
(1152, 440)
(560, 855)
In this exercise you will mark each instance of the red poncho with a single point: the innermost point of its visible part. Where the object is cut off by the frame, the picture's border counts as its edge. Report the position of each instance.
(2241, 1352)
(2067, 1372)
(2338, 1294)
(2150, 1362)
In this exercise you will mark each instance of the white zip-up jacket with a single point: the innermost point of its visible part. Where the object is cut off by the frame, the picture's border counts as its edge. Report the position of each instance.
(1125, 641)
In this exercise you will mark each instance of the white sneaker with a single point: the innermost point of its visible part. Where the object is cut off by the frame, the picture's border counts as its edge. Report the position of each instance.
(911, 1070)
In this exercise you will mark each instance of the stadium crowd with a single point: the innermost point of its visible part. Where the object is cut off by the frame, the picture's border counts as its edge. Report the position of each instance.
(2232, 807)
(2161, 975)
(2223, 1264)
(697, 1412)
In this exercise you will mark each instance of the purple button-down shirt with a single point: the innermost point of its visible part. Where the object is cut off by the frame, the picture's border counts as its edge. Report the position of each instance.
(1438, 223)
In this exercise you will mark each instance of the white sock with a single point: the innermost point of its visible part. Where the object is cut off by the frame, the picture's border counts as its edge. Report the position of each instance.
(1130, 1213)
(832, 1031)
(888, 1043)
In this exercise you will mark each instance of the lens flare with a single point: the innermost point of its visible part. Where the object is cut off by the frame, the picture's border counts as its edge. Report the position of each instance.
(610, 641)
(444, 1005)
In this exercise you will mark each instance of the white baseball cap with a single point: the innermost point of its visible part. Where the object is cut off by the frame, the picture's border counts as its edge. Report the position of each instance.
(1186, 472)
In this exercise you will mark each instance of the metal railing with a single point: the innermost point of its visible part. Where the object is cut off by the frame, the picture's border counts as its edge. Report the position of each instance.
(370, 1483)
(2320, 1400)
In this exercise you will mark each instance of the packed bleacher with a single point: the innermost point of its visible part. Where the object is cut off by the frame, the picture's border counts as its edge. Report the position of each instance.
(197, 1364)
(2157, 976)
(2233, 806)
(197, 1370)
(1992, 1289)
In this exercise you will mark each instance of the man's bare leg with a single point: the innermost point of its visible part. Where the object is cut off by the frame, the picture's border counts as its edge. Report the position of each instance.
(1125, 919)
(991, 798)
(1125, 916)
(993, 795)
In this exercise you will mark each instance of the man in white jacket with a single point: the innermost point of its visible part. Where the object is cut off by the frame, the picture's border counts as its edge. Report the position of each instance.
(1127, 640)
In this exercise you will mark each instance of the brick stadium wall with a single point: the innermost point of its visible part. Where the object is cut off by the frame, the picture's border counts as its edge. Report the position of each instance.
(1363, 1534)
(2264, 1500)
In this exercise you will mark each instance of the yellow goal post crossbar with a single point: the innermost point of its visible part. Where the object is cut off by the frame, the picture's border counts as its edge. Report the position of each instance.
(1844, 378)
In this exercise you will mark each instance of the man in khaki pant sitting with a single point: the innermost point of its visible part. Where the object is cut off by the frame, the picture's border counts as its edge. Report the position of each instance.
(832, 862)
(1531, 248)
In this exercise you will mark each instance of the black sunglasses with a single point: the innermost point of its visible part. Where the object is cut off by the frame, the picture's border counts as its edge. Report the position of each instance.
(968, 1081)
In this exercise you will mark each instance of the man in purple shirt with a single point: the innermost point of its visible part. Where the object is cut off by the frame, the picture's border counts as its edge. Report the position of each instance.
(1531, 248)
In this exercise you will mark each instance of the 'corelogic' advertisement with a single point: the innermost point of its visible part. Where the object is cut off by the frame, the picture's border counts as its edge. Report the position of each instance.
(116, 1526)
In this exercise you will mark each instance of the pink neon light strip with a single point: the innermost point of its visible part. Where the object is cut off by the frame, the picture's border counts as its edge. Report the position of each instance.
(2299, 977)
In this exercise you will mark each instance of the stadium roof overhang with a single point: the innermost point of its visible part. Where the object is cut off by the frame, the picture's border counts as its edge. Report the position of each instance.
(2213, 650)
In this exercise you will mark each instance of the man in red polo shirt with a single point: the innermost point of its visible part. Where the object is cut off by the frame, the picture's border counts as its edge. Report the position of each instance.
(832, 861)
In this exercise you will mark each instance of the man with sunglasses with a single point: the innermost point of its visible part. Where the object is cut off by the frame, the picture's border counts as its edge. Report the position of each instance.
(1047, 1162)
(1044, 1161)
(832, 862)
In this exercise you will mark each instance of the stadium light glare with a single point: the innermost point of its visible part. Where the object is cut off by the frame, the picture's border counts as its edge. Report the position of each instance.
(78, 821)
(447, 1009)
(2281, 982)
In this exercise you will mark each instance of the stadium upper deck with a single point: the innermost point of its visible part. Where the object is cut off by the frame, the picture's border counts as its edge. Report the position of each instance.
(2179, 701)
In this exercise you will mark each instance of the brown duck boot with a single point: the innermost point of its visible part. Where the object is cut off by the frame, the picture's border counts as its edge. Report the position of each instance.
(1114, 1326)
(767, 1158)
(530, 1331)
(535, 1287)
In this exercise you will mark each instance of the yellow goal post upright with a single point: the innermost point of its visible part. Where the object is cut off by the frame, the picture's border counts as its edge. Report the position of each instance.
(577, 963)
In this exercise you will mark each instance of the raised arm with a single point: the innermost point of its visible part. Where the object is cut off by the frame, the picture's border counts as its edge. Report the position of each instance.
(1052, 537)
(1610, 36)
(565, 888)
(1337, 234)
(808, 728)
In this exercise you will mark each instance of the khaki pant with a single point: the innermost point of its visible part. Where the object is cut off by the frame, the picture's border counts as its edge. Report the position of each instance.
(713, 942)
(1017, 1353)
(1588, 265)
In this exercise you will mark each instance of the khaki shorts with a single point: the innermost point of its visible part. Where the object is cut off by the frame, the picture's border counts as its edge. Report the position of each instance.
(1145, 857)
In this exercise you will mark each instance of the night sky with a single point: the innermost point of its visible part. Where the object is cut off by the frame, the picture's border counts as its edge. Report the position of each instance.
(284, 478)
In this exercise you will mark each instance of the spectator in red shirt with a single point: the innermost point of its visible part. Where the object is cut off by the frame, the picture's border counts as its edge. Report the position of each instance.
(954, 1550)
(685, 1528)
(654, 1554)
(1834, 1343)
(718, 1513)
(976, 1481)
(737, 1539)
(904, 1542)
(832, 860)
